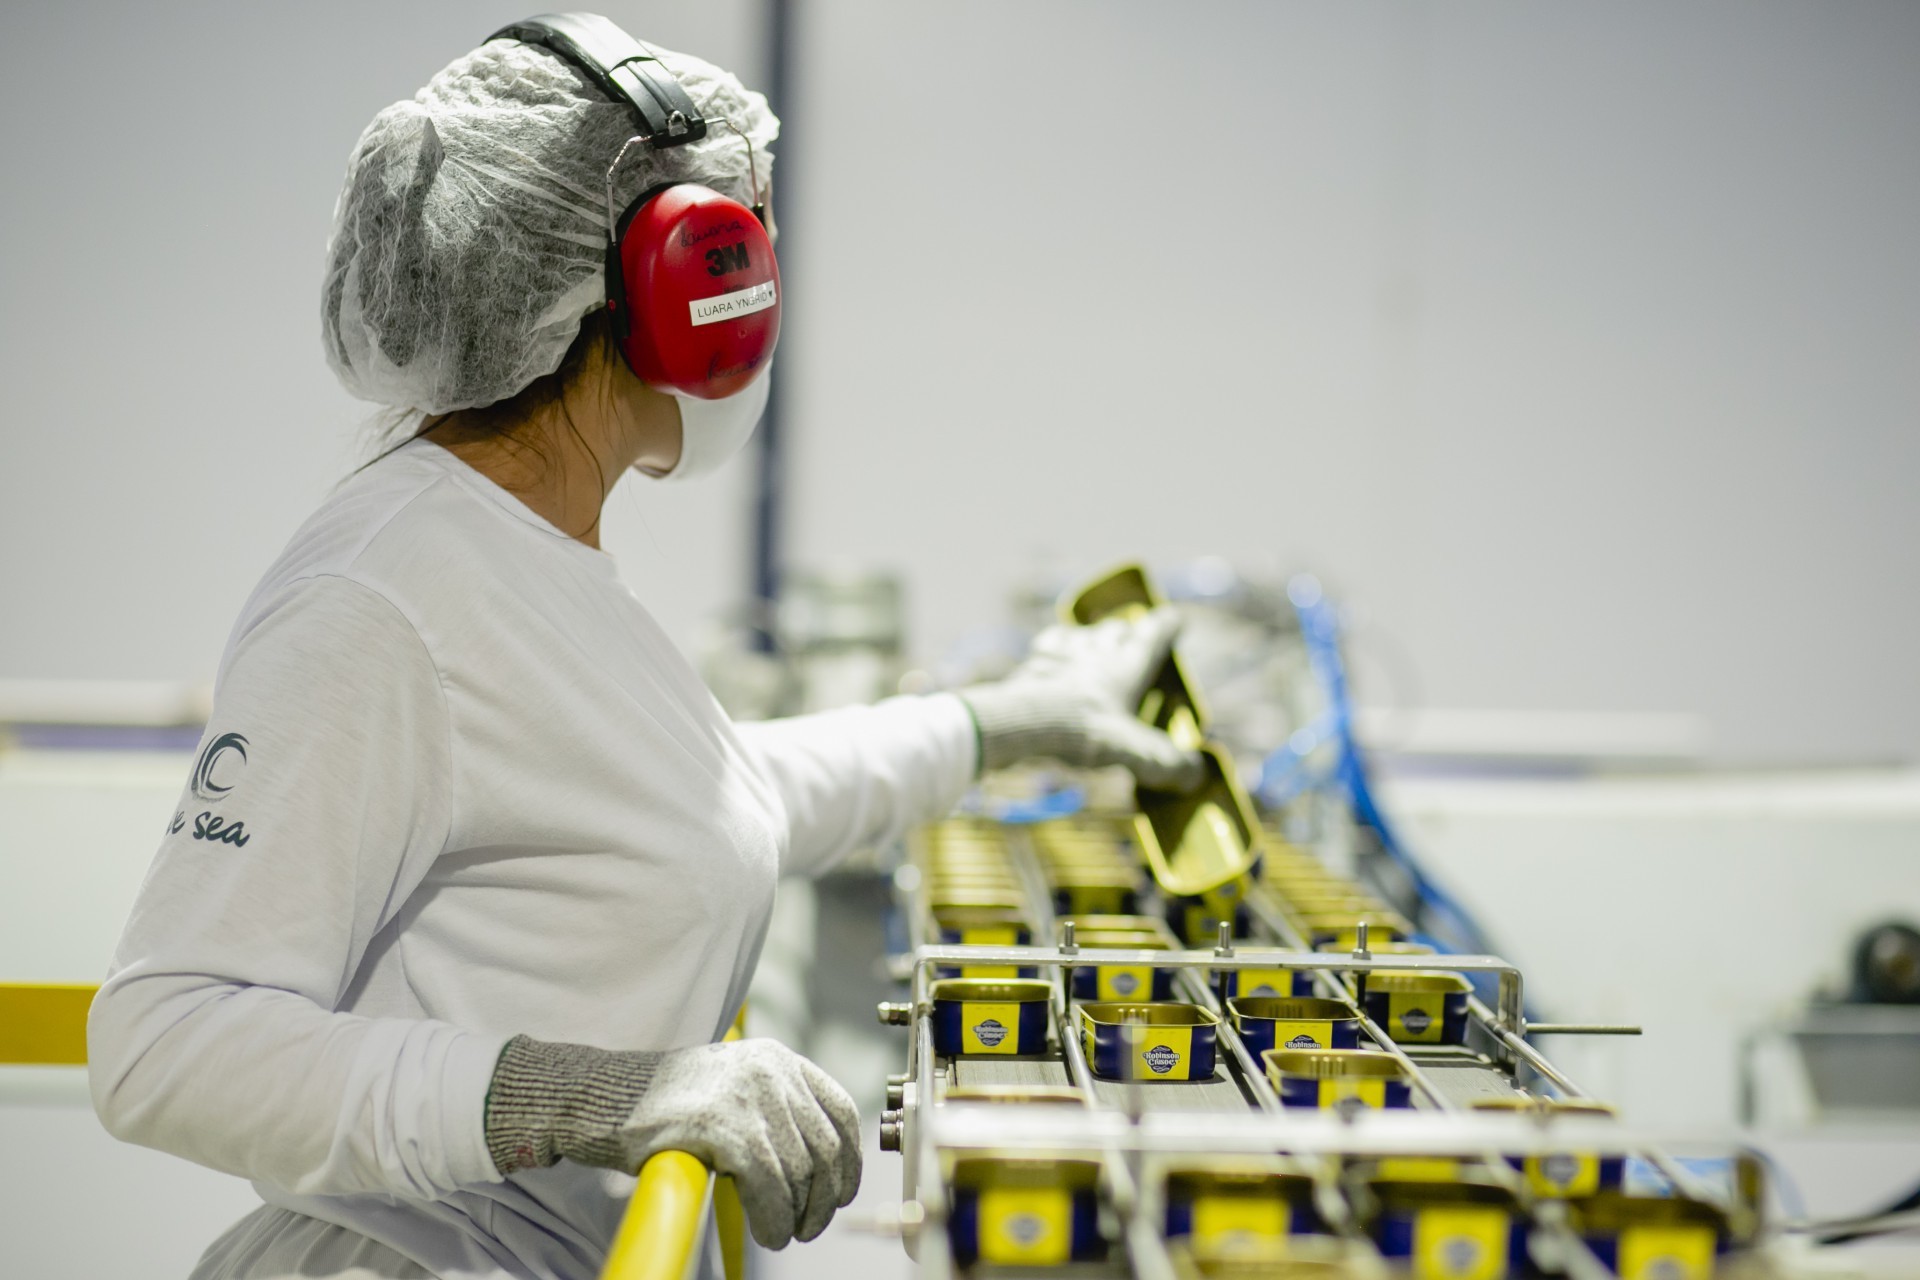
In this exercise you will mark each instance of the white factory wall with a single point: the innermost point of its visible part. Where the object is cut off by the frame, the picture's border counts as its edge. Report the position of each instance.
(1575, 344)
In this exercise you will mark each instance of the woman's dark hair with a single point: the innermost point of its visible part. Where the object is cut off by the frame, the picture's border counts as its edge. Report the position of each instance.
(503, 419)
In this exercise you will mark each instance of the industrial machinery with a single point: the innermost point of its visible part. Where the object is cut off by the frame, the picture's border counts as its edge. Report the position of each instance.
(1154, 1036)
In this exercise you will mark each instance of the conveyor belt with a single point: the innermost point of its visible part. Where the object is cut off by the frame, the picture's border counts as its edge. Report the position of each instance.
(1462, 1075)
(1217, 1094)
(975, 1073)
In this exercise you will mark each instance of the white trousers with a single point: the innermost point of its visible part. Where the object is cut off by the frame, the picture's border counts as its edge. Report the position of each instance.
(278, 1244)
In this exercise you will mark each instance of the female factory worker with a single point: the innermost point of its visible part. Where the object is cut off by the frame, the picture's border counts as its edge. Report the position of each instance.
(462, 811)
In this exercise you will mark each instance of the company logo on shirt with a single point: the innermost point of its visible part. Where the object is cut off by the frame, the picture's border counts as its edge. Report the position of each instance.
(225, 756)
(214, 774)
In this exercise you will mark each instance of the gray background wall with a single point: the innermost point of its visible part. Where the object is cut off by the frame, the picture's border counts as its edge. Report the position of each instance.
(1579, 347)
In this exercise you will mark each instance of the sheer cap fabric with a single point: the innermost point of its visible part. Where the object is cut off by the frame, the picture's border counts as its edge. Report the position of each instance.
(469, 240)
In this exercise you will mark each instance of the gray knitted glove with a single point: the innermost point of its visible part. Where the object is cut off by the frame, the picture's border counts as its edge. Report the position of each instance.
(755, 1110)
(1074, 700)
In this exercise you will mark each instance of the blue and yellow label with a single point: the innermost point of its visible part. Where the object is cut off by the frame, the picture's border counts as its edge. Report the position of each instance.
(1420, 1169)
(1264, 982)
(1123, 982)
(1417, 1017)
(1370, 1093)
(1304, 1033)
(1460, 1242)
(1093, 900)
(1238, 1224)
(1159, 1053)
(1562, 1174)
(1666, 1252)
(989, 1027)
(1026, 1226)
(998, 935)
(1310, 1092)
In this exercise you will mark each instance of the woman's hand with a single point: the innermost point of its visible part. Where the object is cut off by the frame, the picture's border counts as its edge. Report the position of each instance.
(779, 1126)
(1073, 700)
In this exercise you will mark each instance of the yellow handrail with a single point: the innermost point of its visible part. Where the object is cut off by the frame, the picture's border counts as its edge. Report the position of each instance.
(44, 1023)
(660, 1233)
(730, 1221)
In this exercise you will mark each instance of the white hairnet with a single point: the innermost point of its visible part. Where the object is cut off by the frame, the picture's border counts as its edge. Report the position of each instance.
(470, 238)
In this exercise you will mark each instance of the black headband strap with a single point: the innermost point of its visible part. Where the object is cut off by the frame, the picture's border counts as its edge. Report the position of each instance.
(622, 68)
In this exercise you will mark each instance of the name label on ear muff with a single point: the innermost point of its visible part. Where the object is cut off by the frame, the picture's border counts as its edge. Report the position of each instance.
(731, 306)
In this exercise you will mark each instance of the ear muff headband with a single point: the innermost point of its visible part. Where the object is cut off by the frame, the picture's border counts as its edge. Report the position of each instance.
(623, 68)
(691, 277)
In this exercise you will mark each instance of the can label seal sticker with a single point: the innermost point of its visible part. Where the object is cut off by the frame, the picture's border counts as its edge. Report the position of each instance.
(1460, 1254)
(1304, 1041)
(990, 1033)
(1161, 1059)
(1416, 1021)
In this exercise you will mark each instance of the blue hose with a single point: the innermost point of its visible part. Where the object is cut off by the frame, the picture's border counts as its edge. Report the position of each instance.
(1287, 772)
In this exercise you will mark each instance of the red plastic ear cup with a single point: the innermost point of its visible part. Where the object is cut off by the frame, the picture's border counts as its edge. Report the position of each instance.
(697, 297)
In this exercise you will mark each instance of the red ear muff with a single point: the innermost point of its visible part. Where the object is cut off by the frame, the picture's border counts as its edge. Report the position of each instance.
(694, 290)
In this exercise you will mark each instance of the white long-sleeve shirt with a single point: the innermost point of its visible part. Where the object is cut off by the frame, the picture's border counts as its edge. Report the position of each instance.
(457, 786)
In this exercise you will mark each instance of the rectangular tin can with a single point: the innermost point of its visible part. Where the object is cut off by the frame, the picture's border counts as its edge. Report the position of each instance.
(1006, 1018)
(1467, 1229)
(1123, 982)
(1315, 1078)
(1025, 1213)
(1293, 1022)
(1671, 1238)
(1225, 1207)
(1228, 983)
(1561, 1175)
(982, 927)
(1149, 1042)
(1086, 891)
(1418, 1008)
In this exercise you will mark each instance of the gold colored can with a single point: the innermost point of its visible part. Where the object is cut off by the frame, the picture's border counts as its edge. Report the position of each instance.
(997, 1017)
(1319, 1078)
(1562, 1175)
(1418, 1008)
(1223, 1207)
(1024, 1212)
(1111, 982)
(1390, 948)
(1295, 1258)
(940, 884)
(1094, 890)
(1150, 1041)
(1117, 924)
(1467, 1227)
(1001, 899)
(1329, 901)
(1643, 1238)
